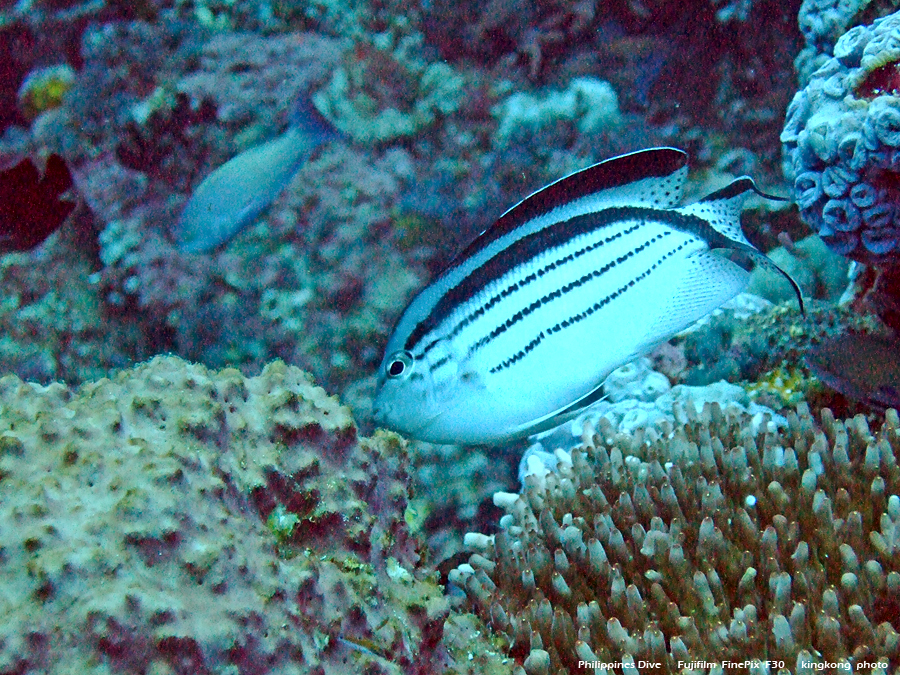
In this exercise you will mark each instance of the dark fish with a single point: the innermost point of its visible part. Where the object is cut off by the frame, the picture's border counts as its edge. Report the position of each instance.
(862, 367)
(31, 208)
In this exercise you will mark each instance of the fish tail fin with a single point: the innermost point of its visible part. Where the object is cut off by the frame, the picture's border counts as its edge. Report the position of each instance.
(765, 261)
(746, 255)
(722, 211)
(306, 120)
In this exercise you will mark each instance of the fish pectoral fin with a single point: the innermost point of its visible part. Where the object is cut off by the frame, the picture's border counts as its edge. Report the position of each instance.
(567, 412)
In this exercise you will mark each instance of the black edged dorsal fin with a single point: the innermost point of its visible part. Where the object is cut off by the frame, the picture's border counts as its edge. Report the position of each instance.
(653, 178)
(722, 208)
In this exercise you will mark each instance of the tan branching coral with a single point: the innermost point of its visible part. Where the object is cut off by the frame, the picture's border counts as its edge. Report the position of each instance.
(706, 544)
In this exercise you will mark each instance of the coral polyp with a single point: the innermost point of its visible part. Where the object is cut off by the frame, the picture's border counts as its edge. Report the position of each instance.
(706, 542)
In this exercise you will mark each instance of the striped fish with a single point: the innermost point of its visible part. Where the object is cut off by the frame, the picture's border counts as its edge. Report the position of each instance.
(518, 334)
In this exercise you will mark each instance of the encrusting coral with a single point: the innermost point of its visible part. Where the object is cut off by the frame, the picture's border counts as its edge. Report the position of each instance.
(704, 543)
(181, 520)
(840, 142)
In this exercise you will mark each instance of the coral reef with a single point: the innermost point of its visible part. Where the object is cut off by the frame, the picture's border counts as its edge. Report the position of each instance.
(638, 397)
(176, 519)
(165, 92)
(591, 103)
(238, 306)
(706, 542)
(819, 272)
(780, 387)
(44, 88)
(734, 347)
(362, 100)
(840, 144)
(54, 324)
(495, 30)
(822, 22)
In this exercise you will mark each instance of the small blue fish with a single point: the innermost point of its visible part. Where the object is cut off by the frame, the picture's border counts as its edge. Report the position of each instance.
(234, 195)
(520, 332)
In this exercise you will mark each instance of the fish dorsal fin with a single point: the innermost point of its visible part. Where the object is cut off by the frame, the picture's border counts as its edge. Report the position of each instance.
(722, 211)
(654, 177)
(722, 208)
(651, 178)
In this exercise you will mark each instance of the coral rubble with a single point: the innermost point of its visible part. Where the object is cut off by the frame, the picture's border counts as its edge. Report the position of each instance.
(709, 543)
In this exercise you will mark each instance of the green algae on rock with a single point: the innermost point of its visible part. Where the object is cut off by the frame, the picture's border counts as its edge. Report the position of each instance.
(135, 529)
(702, 543)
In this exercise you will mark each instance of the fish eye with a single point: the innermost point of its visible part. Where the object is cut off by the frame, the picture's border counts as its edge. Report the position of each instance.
(400, 364)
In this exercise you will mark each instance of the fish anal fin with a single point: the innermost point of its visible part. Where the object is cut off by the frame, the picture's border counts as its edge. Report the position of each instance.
(567, 412)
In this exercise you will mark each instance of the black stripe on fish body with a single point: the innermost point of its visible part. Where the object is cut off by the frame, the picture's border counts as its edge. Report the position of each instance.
(607, 175)
(561, 291)
(528, 279)
(521, 253)
(577, 317)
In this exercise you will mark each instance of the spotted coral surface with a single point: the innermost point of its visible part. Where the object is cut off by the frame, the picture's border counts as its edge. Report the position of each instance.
(705, 542)
(176, 519)
(841, 145)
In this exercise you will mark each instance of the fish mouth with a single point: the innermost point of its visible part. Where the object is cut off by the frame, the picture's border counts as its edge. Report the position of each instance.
(382, 414)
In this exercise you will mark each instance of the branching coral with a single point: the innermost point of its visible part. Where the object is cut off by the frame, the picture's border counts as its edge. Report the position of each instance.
(709, 543)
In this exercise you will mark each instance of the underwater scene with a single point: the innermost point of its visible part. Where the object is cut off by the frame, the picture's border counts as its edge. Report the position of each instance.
(449, 337)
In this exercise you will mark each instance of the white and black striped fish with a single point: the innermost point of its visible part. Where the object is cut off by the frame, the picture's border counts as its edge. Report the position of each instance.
(519, 333)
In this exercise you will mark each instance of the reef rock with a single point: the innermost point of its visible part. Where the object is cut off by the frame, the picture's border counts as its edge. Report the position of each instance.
(180, 520)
